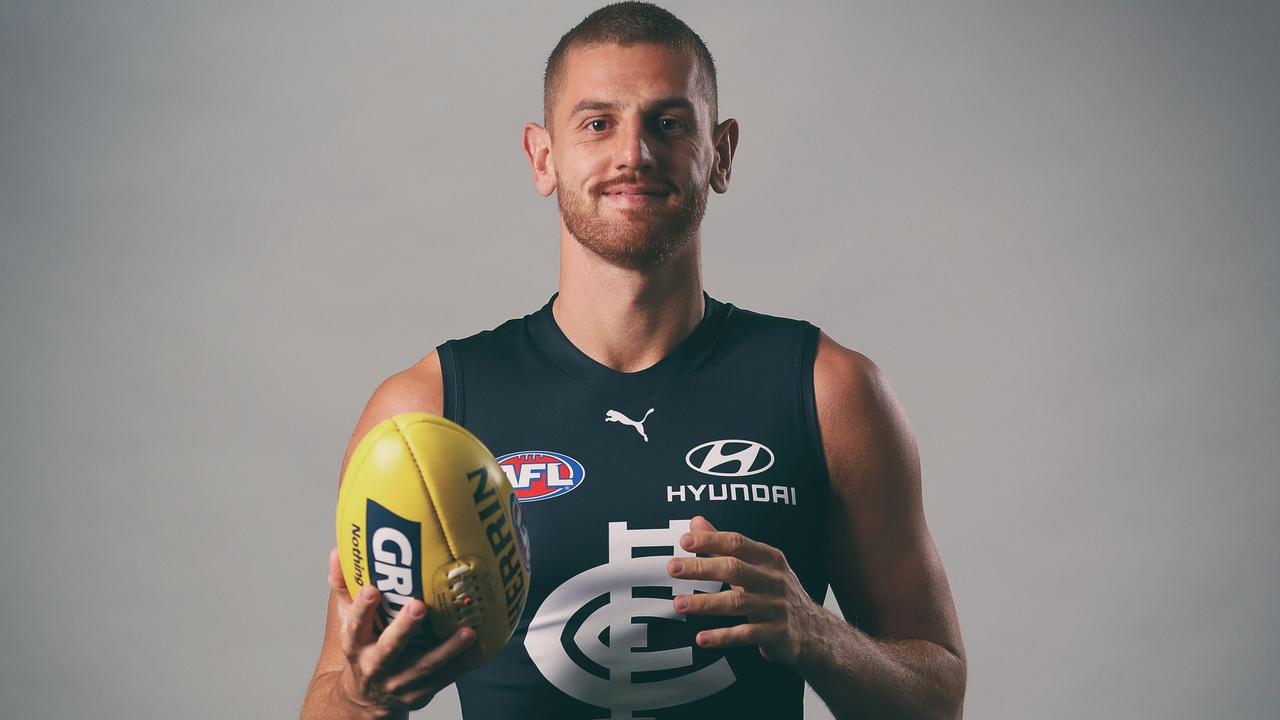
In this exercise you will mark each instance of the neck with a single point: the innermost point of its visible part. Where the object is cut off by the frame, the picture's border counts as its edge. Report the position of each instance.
(627, 319)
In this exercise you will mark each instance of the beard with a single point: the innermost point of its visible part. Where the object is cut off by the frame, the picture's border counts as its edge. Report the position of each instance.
(634, 237)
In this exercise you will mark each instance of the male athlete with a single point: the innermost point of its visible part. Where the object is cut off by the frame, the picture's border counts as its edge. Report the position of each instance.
(693, 475)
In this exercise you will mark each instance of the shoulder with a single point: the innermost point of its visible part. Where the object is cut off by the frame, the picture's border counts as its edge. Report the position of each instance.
(415, 389)
(841, 375)
(863, 426)
(418, 388)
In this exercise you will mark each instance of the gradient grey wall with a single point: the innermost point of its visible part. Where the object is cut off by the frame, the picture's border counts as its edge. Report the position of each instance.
(1055, 225)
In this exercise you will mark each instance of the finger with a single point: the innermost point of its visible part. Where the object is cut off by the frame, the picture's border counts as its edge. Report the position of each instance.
(357, 628)
(436, 661)
(420, 694)
(733, 602)
(701, 523)
(736, 636)
(729, 570)
(396, 636)
(336, 580)
(731, 543)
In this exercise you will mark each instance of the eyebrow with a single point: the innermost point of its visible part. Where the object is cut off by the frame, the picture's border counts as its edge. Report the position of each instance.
(663, 104)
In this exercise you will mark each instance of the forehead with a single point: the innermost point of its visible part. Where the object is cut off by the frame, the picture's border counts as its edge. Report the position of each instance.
(628, 74)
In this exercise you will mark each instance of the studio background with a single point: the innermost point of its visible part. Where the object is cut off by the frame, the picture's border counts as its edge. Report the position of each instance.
(1054, 226)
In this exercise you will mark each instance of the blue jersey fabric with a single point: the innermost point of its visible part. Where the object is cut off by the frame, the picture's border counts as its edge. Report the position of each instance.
(610, 468)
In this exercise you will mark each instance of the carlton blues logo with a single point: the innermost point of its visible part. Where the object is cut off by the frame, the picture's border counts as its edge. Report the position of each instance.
(541, 474)
(597, 636)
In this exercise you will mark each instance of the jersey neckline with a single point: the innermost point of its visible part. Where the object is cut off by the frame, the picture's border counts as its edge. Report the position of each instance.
(685, 355)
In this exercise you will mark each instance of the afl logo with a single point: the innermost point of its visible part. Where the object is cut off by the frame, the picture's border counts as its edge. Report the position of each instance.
(541, 474)
(730, 458)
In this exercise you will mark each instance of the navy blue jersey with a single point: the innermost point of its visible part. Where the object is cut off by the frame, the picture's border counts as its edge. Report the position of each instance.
(610, 467)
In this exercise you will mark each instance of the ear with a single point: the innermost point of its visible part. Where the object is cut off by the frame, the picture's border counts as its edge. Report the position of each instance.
(537, 147)
(725, 140)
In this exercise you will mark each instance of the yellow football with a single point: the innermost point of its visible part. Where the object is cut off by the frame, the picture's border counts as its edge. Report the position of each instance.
(426, 512)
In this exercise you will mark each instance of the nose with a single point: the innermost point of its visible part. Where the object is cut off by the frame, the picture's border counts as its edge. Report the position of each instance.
(634, 150)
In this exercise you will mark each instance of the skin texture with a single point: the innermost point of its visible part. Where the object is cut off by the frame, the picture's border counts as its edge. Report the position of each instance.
(630, 291)
(638, 210)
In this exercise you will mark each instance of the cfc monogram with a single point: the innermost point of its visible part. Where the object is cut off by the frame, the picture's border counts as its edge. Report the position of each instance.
(612, 646)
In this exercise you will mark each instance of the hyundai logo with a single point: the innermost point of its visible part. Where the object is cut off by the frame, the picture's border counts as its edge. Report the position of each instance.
(730, 458)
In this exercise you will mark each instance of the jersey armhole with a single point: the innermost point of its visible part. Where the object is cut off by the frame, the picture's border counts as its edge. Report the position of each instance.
(811, 431)
(451, 379)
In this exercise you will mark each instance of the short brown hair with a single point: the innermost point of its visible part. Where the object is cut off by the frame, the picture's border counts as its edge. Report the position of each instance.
(629, 23)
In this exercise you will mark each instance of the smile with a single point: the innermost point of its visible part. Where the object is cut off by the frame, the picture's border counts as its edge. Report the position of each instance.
(631, 199)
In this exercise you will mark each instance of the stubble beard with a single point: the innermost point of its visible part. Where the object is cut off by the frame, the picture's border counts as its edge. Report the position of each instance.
(638, 238)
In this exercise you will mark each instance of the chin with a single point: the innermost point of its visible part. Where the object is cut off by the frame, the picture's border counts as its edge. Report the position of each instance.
(636, 253)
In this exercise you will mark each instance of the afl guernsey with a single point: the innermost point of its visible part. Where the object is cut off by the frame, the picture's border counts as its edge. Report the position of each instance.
(610, 467)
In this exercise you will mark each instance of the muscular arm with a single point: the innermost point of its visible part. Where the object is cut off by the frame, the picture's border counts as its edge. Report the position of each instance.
(907, 660)
(417, 389)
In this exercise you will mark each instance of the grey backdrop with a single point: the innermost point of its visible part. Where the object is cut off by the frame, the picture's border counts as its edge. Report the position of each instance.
(1055, 226)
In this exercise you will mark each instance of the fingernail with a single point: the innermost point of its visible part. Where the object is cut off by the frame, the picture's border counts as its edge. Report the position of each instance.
(417, 610)
(368, 594)
(686, 540)
(677, 566)
(468, 635)
(682, 603)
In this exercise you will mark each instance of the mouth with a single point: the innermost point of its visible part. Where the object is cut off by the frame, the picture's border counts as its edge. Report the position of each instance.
(633, 196)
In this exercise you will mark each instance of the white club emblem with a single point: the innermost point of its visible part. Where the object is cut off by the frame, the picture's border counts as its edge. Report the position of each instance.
(615, 416)
(612, 645)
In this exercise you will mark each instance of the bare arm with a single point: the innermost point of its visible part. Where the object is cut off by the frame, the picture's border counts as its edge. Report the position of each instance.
(907, 661)
(359, 675)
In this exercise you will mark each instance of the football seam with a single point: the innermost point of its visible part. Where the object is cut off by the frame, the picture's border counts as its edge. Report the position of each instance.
(431, 499)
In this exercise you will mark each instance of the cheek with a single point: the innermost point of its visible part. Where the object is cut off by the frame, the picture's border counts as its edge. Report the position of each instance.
(697, 160)
(580, 171)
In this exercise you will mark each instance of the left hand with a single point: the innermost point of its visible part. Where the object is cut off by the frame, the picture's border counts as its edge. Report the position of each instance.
(781, 618)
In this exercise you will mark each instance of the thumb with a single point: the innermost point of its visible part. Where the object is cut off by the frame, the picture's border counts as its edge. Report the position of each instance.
(336, 581)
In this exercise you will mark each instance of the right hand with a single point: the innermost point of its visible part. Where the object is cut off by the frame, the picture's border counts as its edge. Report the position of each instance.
(380, 676)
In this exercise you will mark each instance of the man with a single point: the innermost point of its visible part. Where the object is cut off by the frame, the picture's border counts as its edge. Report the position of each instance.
(701, 473)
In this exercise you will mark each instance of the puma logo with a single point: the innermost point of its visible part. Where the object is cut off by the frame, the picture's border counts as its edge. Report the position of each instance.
(615, 416)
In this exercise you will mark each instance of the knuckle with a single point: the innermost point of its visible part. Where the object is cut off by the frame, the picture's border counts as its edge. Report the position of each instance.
(347, 640)
(360, 684)
(430, 668)
(779, 608)
(776, 579)
(367, 668)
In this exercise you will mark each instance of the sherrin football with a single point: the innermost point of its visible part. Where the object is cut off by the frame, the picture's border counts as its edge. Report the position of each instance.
(426, 512)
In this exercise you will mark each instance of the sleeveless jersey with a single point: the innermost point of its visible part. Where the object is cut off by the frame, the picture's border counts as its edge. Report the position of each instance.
(610, 467)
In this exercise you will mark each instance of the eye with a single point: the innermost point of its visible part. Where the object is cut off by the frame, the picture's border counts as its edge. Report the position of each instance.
(597, 125)
(669, 124)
